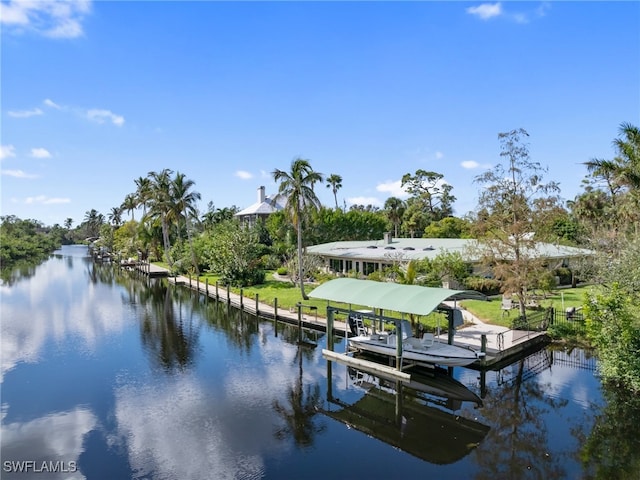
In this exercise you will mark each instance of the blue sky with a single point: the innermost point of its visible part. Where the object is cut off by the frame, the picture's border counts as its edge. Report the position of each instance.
(96, 94)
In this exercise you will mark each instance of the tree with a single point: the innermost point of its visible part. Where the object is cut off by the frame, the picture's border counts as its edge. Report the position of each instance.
(93, 220)
(115, 216)
(394, 208)
(432, 191)
(234, 253)
(143, 193)
(334, 181)
(297, 186)
(450, 227)
(184, 207)
(512, 204)
(621, 178)
(130, 204)
(68, 223)
(160, 205)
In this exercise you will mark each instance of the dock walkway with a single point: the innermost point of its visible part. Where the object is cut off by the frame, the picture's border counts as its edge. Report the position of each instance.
(502, 343)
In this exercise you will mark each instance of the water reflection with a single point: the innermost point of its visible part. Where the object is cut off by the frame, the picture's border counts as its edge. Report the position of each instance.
(57, 437)
(300, 409)
(56, 306)
(415, 418)
(139, 378)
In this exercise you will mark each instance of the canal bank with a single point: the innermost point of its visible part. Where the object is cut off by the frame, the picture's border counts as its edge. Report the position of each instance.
(501, 345)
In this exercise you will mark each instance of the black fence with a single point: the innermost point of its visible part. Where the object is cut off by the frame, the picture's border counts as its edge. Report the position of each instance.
(540, 321)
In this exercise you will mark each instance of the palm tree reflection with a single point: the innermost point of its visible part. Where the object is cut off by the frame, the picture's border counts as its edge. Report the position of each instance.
(299, 412)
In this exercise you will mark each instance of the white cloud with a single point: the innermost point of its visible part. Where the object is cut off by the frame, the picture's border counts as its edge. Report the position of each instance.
(100, 116)
(25, 113)
(265, 174)
(470, 164)
(44, 200)
(244, 175)
(59, 19)
(50, 103)
(439, 155)
(17, 174)
(7, 151)
(40, 153)
(486, 11)
(394, 188)
(364, 201)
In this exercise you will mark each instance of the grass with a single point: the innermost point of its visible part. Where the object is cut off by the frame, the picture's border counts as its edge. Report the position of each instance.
(490, 311)
(288, 296)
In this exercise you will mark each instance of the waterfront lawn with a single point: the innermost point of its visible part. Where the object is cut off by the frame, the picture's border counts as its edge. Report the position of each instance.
(491, 312)
(288, 296)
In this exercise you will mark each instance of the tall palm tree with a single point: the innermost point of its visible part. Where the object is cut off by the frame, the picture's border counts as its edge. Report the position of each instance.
(115, 216)
(334, 181)
(93, 220)
(297, 186)
(184, 206)
(68, 222)
(143, 193)
(395, 208)
(130, 204)
(160, 205)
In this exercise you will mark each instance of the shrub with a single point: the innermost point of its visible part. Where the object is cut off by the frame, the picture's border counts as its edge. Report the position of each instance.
(282, 271)
(487, 286)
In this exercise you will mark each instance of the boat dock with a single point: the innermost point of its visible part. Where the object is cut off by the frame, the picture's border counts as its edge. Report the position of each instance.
(500, 344)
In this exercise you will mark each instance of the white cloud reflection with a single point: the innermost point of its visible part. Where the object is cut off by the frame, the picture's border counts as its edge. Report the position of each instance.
(54, 438)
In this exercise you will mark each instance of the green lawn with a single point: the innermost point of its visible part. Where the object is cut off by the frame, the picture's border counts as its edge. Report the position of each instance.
(490, 311)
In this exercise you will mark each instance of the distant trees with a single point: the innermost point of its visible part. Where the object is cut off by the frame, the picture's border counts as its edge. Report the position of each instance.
(297, 186)
(24, 240)
(431, 200)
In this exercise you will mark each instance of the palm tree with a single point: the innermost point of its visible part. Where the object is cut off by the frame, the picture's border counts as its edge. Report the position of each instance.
(143, 193)
(334, 181)
(115, 216)
(130, 204)
(68, 222)
(297, 186)
(160, 205)
(93, 221)
(395, 209)
(184, 206)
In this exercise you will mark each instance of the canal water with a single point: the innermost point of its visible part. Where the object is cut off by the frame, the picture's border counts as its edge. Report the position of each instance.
(108, 375)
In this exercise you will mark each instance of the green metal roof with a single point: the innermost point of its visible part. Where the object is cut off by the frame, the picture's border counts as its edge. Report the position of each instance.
(388, 296)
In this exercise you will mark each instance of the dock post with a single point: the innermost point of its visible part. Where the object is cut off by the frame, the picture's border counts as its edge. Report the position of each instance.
(228, 294)
(217, 296)
(275, 314)
(330, 328)
(257, 309)
(206, 286)
(483, 346)
(398, 346)
(241, 299)
(299, 323)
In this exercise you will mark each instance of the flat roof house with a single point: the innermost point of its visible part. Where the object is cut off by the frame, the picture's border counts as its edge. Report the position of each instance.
(368, 256)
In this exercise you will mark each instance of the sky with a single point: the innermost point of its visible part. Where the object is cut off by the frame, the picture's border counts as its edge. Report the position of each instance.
(95, 94)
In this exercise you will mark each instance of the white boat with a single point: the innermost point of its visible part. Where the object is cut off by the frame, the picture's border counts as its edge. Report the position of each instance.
(426, 351)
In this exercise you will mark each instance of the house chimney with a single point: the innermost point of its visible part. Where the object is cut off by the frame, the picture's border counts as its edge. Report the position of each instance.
(387, 237)
(261, 194)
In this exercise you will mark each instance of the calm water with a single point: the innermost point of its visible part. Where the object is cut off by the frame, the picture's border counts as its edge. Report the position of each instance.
(108, 375)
